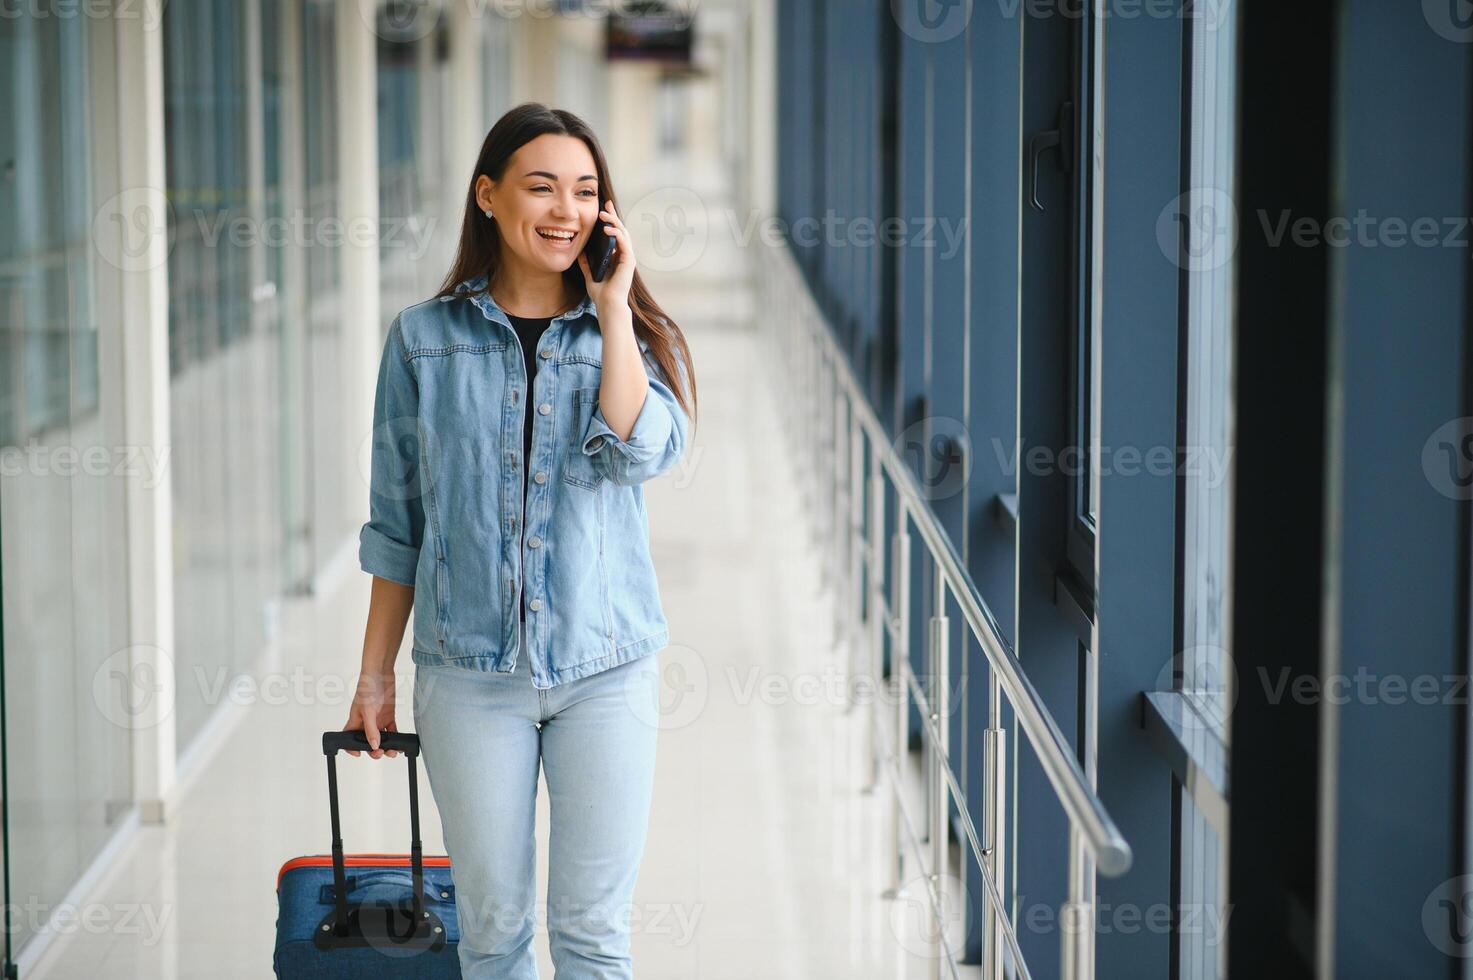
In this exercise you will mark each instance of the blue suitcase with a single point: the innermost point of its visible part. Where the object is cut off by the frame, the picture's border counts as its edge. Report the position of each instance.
(393, 916)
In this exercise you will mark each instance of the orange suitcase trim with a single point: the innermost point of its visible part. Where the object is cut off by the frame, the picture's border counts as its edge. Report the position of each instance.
(350, 860)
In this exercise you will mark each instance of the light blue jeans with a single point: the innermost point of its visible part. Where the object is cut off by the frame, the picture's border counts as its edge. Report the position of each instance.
(482, 734)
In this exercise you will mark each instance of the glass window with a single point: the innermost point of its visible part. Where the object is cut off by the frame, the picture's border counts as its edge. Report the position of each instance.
(1084, 467)
(417, 233)
(220, 92)
(1206, 677)
(328, 482)
(65, 595)
(1208, 393)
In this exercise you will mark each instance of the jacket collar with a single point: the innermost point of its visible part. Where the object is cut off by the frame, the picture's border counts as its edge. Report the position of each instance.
(475, 290)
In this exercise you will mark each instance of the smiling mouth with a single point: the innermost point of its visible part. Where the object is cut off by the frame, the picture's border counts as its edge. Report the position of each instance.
(556, 236)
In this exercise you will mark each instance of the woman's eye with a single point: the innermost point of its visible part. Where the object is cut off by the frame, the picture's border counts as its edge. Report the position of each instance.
(586, 192)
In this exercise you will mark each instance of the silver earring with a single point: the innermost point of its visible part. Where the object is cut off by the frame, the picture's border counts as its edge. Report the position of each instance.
(488, 212)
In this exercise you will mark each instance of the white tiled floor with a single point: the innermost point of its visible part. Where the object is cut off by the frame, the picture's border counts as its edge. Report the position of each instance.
(765, 860)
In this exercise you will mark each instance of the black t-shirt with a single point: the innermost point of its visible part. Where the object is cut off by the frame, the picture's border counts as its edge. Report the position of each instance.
(529, 332)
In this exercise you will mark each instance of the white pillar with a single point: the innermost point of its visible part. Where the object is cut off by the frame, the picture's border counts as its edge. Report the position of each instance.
(762, 106)
(290, 297)
(537, 43)
(358, 180)
(634, 115)
(144, 298)
(468, 123)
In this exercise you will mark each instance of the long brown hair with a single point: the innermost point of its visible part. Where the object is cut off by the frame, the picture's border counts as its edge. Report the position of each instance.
(479, 251)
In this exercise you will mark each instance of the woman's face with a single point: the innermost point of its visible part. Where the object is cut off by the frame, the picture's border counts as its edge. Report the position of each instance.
(546, 203)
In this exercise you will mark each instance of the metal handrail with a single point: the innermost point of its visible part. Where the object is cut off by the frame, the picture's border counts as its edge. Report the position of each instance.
(1109, 847)
(1091, 828)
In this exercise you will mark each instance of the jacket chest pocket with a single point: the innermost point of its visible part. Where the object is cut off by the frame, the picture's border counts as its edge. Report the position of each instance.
(579, 468)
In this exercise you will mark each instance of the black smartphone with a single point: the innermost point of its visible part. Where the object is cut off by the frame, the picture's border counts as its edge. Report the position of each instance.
(600, 251)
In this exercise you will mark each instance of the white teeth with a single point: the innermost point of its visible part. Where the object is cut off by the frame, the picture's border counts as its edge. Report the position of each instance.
(564, 236)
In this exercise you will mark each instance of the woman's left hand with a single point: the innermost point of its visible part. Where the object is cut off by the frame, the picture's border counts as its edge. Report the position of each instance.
(614, 290)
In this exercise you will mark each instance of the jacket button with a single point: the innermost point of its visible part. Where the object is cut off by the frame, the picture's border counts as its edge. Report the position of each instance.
(544, 408)
(541, 476)
(535, 605)
(545, 352)
(534, 541)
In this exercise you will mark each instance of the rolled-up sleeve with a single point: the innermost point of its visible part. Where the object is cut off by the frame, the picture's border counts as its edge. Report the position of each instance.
(656, 441)
(389, 544)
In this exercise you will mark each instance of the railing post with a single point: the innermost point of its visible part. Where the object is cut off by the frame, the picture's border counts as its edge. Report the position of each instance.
(837, 505)
(1078, 936)
(939, 695)
(815, 432)
(995, 743)
(786, 335)
(826, 471)
(899, 664)
(832, 487)
(853, 601)
(878, 611)
(822, 448)
(803, 422)
(810, 408)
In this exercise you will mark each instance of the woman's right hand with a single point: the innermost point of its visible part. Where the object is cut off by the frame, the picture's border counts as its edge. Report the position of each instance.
(373, 710)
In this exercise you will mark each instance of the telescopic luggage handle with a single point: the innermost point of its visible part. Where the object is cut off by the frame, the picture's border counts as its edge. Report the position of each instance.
(352, 741)
(408, 743)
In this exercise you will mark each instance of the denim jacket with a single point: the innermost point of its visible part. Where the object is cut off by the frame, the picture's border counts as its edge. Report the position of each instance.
(445, 495)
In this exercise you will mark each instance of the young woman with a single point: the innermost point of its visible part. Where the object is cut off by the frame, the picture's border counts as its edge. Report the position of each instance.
(516, 417)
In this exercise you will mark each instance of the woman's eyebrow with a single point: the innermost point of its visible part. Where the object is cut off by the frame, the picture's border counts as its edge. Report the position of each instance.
(544, 173)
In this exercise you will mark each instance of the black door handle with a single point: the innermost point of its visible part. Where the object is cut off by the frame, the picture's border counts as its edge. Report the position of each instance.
(1063, 138)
